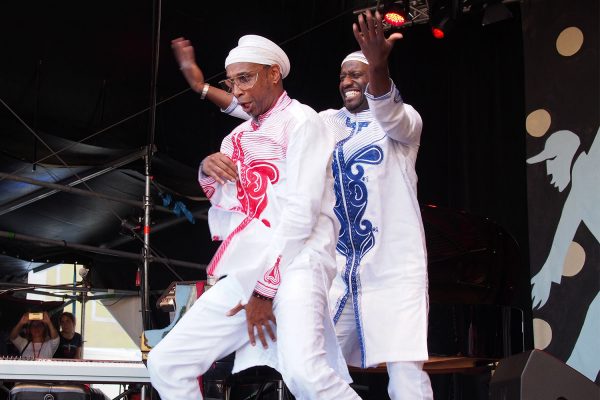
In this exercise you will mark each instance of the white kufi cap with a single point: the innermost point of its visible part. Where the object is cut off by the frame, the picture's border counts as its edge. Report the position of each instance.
(356, 56)
(259, 50)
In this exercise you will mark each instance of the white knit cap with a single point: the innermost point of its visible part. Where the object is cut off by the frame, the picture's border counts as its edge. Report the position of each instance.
(259, 50)
(356, 56)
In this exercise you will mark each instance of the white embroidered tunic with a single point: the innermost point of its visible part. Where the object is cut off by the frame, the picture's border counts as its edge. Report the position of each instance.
(280, 206)
(381, 254)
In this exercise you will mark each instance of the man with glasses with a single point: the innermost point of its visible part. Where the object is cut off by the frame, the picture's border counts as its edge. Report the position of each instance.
(276, 261)
(379, 295)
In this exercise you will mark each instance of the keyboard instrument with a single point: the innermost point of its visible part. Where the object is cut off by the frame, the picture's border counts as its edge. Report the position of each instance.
(88, 371)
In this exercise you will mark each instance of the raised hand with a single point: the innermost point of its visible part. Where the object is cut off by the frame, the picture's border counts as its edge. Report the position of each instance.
(46, 318)
(371, 39)
(24, 319)
(184, 54)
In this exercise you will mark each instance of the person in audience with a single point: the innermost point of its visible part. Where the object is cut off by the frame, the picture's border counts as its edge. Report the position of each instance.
(70, 341)
(41, 338)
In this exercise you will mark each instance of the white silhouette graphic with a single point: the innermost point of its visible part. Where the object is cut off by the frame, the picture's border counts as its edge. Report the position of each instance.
(585, 355)
(582, 205)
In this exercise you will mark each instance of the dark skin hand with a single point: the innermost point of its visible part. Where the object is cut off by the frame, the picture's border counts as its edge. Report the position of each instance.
(376, 48)
(220, 167)
(260, 317)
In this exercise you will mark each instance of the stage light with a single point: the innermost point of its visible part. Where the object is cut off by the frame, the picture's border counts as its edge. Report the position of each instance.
(437, 33)
(395, 15)
(443, 14)
(399, 14)
(441, 28)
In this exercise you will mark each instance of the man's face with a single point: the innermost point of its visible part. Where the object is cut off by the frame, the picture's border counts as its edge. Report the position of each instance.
(354, 78)
(257, 99)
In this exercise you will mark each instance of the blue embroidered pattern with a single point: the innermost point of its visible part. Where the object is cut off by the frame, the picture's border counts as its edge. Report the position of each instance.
(356, 234)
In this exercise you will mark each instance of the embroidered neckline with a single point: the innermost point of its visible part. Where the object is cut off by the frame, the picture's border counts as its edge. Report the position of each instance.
(282, 102)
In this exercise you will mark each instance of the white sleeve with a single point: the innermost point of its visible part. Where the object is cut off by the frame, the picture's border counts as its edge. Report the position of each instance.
(399, 121)
(20, 342)
(308, 156)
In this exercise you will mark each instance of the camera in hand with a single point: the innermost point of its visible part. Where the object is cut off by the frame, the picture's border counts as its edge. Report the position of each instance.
(37, 316)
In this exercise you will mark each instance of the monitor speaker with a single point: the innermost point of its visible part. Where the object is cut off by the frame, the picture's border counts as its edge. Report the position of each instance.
(536, 375)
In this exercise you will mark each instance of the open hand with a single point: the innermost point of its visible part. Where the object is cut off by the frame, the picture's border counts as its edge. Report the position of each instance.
(184, 54)
(371, 38)
(259, 317)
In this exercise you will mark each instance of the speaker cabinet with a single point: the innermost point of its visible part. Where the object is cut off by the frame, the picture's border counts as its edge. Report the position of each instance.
(536, 375)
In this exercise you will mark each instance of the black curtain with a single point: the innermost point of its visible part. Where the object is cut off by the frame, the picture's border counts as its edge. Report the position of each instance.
(469, 89)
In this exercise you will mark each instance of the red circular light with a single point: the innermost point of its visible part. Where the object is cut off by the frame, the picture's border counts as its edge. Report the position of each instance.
(394, 19)
(437, 33)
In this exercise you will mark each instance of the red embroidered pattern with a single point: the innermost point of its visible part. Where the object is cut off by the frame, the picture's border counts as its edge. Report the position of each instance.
(208, 186)
(251, 192)
(253, 180)
(273, 276)
(212, 266)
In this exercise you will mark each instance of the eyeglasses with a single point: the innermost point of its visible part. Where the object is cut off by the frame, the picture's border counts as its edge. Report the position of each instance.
(243, 82)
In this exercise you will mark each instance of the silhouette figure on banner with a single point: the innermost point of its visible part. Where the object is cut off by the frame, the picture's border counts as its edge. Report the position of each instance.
(581, 206)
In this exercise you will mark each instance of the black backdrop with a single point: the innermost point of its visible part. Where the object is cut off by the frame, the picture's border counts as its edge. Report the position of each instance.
(73, 68)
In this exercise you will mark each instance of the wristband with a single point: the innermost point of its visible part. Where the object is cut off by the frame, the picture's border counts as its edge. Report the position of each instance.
(204, 91)
(260, 296)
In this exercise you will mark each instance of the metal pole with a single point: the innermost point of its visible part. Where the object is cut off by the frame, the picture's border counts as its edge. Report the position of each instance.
(81, 192)
(74, 305)
(145, 297)
(83, 301)
(97, 250)
(26, 286)
(144, 287)
(70, 182)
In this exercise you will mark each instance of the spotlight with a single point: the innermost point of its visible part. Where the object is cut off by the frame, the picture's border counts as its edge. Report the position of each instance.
(442, 17)
(437, 32)
(395, 15)
(441, 28)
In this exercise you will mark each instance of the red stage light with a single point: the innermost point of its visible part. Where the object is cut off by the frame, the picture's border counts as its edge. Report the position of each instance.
(394, 18)
(437, 33)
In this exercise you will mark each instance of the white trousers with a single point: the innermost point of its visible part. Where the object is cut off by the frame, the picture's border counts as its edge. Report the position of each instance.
(205, 334)
(407, 380)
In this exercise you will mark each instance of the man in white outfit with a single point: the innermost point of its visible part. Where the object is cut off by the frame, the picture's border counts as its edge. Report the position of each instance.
(380, 294)
(276, 261)
(379, 297)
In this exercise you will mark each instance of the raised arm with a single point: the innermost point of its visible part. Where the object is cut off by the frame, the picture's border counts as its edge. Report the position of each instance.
(51, 329)
(184, 54)
(376, 48)
(14, 333)
(400, 121)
